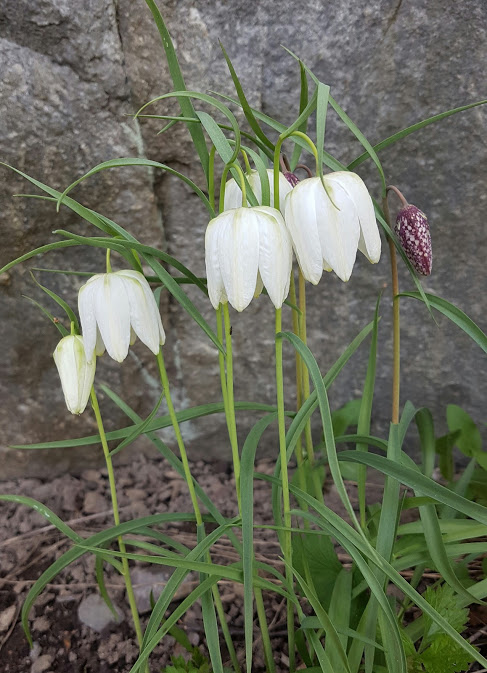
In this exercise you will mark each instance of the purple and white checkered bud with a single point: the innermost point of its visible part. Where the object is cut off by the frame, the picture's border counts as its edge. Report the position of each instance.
(292, 178)
(413, 231)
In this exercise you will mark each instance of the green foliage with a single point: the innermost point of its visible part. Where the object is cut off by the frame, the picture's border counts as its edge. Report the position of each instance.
(438, 652)
(197, 663)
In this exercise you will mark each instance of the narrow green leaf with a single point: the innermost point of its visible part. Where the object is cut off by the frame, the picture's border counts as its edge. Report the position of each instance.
(327, 425)
(131, 161)
(209, 617)
(156, 424)
(363, 425)
(178, 81)
(247, 110)
(211, 100)
(247, 512)
(100, 580)
(332, 638)
(419, 483)
(55, 321)
(140, 428)
(455, 315)
(303, 102)
(69, 312)
(322, 98)
(411, 129)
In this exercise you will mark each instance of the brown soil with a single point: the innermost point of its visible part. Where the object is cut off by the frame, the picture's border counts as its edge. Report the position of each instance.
(62, 643)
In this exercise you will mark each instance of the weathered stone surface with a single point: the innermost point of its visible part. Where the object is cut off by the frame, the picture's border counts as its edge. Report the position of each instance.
(70, 75)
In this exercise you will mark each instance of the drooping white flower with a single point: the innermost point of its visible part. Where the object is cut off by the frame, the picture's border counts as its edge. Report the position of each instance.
(114, 309)
(76, 373)
(233, 193)
(246, 249)
(327, 226)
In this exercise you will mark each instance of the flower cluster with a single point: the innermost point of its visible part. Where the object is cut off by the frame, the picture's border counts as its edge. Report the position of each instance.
(114, 309)
(326, 220)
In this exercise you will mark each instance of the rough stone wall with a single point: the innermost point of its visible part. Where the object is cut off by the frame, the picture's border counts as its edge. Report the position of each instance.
(71, 75)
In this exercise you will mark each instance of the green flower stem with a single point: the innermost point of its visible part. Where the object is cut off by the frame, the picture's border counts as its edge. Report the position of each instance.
(116, 518)
(396, 369)
(179, 438)
(299, 393)
(287, 544)
(194, 501)
(232, 433)
(109, 266)
(248, 169)
(231, 422)
(277, 157)
(223, 182)
(306, 391)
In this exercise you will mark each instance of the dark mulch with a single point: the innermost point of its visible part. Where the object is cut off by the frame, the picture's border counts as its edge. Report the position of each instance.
(62, 643)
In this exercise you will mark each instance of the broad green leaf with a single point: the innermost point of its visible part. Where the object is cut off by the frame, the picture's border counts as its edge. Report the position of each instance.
(468, 439)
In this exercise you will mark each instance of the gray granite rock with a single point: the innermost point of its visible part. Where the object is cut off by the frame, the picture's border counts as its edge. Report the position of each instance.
(70, 75)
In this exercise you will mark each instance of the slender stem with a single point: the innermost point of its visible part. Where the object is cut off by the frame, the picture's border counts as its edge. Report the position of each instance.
(396, 369)
(248, 169)
(109, 266)
(223, 183)
(287, 542)
(116, 518)
(232, 433)
(179, 438)
(317, 486)
(194, 500)
(399, 194)
(232, 424)
(299, 392)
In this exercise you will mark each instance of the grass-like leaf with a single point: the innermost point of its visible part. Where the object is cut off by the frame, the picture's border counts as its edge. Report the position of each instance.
(411, 129)
(456, 315)
(247, 110)
(178, 80)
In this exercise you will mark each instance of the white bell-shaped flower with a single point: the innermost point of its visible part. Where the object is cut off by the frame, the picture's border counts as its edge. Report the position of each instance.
(114, 309)
(233, 193)
(76, 373)
(327, 226)
(246, 249)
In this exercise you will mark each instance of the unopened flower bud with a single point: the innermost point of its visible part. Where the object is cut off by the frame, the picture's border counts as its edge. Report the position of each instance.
(413, 231)
(291, 178)
(76, 373)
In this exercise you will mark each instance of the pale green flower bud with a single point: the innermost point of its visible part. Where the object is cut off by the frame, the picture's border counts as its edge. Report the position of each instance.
(76, 373)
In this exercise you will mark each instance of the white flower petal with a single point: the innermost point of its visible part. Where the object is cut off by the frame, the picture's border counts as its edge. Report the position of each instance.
(301, 221)
(275, 254)
(369, 241)
(112, 314)
(86, 309)
(145, 319)
(216, 291)
(233, 193)
(238, 255)
(338, 228)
